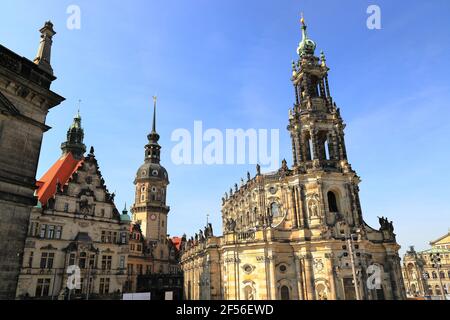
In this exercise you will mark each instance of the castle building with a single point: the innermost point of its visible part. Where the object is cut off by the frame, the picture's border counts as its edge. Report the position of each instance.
(25, 99)
(74, 224)
(427, 273)
(154, 256)
(298, 233)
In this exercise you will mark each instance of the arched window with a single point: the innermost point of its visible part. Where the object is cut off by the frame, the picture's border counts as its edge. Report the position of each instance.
(274, 209)
(248, 293)
(430, 290)
(332, 202)
(284, 293)
(437, 290)
(442, 275)
(434, 275)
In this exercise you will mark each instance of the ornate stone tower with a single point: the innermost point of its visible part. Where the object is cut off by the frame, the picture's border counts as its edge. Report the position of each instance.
(318, 144)
(150, 208)
(75, 136)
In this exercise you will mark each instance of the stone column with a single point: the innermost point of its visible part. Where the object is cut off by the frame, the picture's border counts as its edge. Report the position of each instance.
(330, 271)
(293, 206)
(309, 277)
(299, 278)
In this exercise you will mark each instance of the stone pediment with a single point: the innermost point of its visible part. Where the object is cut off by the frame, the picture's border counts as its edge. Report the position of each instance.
(49, 247)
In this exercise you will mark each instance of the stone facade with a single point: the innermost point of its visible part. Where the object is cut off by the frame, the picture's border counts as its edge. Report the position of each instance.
(427, 273)
(25, 99)
(297, 233)
(74, 224)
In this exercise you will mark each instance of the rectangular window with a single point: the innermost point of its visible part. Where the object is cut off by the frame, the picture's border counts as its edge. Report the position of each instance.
(92, 260)
(44, 256)
(104, 286)
(30, 259)
(139, 248)
(58, 233)
(114, 237)
(72, 259)
(66, 207)
(82, 260)
(122, 262)
(139, 269)
(106, 262)
(123, 238)
(103, 236)
(102, 212)
(42, 287)
(42, 231)
(108, 239)
(50, 232)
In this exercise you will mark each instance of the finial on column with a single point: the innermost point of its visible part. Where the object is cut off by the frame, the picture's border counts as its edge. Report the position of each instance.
(45, 47)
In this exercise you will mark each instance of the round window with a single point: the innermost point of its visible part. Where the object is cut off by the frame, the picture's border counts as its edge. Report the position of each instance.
(153, 189)
(283, 268)
(155, 173)
(248, 268)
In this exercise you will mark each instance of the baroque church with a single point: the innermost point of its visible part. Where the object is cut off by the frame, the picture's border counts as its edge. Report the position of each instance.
(298, 233)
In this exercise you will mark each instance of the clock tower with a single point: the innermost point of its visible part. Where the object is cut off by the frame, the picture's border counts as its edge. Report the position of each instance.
(150, 209)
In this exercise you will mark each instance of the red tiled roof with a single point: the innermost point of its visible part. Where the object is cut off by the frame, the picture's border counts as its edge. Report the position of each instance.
(60, 172)
(176, 242)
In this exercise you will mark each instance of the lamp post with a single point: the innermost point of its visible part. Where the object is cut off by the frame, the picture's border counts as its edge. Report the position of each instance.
(436, 263)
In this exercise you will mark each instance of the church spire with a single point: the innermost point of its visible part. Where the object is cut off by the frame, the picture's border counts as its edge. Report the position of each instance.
(154, 114)
(75, 135)
(45, 47)
(306, 46)
(152, 149)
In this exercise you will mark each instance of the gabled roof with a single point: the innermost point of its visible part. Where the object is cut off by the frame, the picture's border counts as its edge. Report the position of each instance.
(60, 172)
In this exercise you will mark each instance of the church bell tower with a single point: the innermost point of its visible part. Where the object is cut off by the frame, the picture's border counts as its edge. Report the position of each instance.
(150, 209)
(318, 145)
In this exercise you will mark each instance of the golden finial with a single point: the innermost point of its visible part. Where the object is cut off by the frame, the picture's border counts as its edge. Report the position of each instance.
(302, 20)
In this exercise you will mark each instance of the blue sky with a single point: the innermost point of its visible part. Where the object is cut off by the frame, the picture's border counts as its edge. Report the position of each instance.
(228, 63)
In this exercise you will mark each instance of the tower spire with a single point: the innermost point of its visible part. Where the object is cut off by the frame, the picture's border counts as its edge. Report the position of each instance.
(152, 149)
(75, 135)
(306, 46)
(154, 114)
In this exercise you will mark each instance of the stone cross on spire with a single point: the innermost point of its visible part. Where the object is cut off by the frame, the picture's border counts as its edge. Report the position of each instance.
(45, 47)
